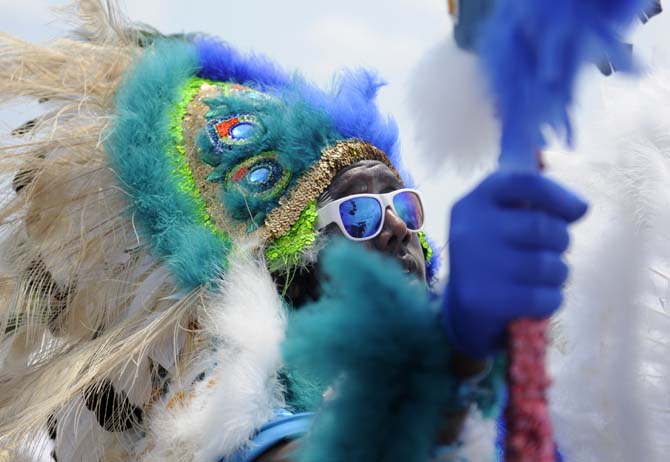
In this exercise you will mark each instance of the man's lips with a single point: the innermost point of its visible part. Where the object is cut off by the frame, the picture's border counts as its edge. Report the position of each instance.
(408, 264)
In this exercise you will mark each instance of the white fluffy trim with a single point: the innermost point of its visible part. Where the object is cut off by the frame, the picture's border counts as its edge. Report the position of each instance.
(454, 117)
(478, 439)
(611, 399)
(206, 419)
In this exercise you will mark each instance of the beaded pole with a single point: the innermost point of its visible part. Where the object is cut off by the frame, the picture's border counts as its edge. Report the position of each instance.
(529, 430)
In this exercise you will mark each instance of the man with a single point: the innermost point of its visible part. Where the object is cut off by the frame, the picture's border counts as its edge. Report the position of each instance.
(506, 261)
(140, 320)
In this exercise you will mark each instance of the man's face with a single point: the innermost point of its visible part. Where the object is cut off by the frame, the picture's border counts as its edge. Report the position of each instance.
(373, 177)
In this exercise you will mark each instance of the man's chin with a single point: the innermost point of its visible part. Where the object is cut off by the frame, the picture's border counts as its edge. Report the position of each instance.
(411, 267)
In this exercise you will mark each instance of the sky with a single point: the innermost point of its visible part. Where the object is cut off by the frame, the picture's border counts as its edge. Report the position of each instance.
(318, 38)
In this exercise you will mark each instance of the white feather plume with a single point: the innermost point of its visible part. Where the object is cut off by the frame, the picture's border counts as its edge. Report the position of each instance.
(611, 397)
(203, 420)
(454, 118)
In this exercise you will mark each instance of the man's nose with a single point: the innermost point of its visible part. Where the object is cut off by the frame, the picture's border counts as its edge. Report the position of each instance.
(394, 230)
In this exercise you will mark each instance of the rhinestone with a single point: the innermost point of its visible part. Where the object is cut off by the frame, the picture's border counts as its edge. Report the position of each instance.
(259, 175)
(243, 130)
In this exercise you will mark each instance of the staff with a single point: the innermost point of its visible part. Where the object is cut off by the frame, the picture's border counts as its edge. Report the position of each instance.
(532, 51)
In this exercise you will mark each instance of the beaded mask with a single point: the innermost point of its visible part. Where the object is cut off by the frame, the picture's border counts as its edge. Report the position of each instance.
(234, 148)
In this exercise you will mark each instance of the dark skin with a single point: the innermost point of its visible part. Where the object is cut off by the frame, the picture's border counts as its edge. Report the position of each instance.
(395, 240)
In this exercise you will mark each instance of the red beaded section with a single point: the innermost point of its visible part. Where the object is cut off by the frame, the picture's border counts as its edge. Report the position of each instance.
(223, 128)
(240, 173)
(529, 432)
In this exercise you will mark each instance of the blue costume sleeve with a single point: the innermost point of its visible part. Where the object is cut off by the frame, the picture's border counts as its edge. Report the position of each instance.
(285, 426)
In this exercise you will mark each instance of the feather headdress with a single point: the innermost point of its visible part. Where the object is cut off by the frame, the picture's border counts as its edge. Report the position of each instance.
(167, 178)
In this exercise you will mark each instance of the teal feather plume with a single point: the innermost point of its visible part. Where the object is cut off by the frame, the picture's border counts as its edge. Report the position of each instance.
(375, 337)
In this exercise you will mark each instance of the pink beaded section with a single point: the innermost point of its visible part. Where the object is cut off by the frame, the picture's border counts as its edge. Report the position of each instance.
(529, 431)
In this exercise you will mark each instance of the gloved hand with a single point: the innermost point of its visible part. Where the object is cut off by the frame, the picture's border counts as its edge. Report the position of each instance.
(506, 241)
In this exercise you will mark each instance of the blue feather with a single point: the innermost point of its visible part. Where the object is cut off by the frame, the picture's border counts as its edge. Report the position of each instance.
(533, 50)
(351, 106)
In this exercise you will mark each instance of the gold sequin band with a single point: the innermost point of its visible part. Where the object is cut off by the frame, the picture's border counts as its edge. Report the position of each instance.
(316, 180)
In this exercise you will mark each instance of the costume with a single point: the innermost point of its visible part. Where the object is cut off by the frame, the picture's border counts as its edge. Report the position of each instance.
(173, 179)
(165, 182)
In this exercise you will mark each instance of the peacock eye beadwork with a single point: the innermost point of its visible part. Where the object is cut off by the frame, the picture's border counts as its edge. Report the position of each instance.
(225, 132)
(260, 175)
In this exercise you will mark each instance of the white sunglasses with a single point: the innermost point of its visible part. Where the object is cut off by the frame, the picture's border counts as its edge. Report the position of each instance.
(361, 216)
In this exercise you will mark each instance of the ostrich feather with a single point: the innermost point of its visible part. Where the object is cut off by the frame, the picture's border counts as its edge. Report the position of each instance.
(454, 119)
(611, 397)
(82, 302)
(204, 419)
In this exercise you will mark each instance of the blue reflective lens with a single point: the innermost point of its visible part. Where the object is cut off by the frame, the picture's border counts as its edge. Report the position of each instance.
(361, 216)
(259, 175)
(243, 131)
(408, 207)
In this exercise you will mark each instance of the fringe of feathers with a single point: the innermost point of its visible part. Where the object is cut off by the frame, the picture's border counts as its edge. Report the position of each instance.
(96, 341)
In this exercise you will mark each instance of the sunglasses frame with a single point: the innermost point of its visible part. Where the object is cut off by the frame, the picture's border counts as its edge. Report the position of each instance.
(330, 213)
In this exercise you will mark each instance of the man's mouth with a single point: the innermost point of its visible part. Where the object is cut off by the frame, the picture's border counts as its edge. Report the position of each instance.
(408, 265)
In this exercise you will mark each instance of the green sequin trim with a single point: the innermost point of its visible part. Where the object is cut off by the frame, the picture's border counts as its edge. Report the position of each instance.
(182, 172)
(286, 251)
(427, 249)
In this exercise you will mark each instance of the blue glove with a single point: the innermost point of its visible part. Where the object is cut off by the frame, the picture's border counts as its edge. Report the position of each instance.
(506, 241)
